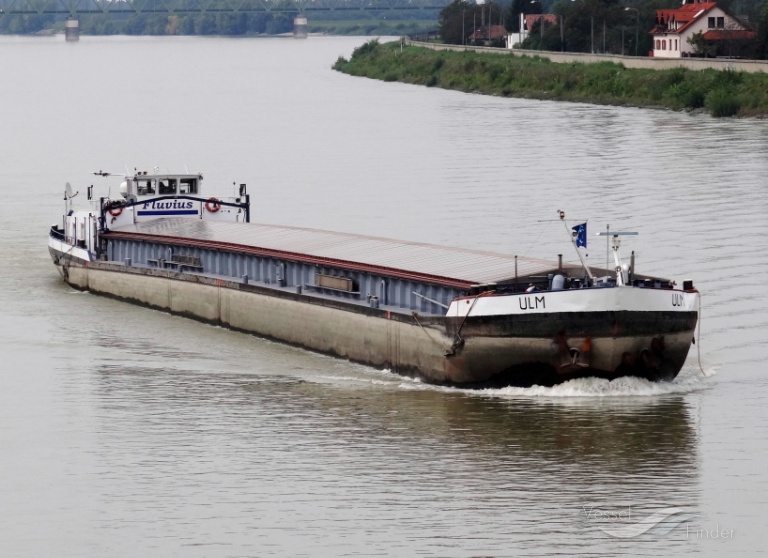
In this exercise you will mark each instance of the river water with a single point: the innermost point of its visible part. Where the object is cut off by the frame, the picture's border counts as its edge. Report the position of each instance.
(128, 432)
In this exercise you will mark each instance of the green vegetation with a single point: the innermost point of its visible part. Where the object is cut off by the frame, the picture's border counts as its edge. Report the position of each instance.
(602, 26)
(221, 17)
(231, 24)
(393, 28)
(227, 24)
(722, 93)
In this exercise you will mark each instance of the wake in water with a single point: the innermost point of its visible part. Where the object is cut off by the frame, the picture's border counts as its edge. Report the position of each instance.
(689, 380)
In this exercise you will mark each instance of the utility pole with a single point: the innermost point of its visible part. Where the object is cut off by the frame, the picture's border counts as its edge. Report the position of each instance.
(637, 25)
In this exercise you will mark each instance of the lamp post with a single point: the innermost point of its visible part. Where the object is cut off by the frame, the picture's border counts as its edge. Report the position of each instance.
(592, 32)
(541, 23)
(637, 24)
(490, 20)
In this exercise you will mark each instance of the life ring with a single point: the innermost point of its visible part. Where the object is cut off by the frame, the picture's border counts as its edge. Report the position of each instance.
(212, 205)
(115, 211)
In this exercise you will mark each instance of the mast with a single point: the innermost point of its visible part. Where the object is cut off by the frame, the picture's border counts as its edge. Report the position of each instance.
(572, 235)
(622, 278)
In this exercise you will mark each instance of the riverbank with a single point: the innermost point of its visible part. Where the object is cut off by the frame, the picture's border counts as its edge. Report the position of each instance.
(721, 93)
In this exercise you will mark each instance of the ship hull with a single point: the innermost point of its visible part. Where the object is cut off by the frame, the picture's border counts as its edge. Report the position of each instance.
(494, 349)
(524, 361)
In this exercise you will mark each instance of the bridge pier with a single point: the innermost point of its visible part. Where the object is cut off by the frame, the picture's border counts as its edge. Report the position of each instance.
(300, 27)
(72, 29)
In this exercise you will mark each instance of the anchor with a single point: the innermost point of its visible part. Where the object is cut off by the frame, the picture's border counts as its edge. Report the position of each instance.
(572, 358)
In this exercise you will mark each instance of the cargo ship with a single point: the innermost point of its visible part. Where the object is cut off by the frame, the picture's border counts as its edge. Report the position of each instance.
(448, 316)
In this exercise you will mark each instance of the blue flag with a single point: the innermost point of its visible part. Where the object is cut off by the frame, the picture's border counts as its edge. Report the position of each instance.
(580, 234)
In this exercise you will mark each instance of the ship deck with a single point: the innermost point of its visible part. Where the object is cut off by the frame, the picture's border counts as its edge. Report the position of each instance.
(456, 267)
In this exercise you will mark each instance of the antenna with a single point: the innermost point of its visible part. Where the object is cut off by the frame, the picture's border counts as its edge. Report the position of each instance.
(621, 272)
(107, 173)
(68, 195)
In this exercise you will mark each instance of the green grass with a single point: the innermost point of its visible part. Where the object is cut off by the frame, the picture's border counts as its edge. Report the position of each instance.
(393, 28)
(722, 93)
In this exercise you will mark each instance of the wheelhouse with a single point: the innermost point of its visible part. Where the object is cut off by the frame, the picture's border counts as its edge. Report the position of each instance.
(142, 185)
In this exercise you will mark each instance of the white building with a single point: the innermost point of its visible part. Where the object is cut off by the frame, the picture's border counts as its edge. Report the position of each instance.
(723, 33)
(526, 24)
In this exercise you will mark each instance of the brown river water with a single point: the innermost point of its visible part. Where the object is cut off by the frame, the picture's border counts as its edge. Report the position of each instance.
(129, 432)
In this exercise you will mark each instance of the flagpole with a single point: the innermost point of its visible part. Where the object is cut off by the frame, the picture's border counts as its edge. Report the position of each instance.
(578, 252)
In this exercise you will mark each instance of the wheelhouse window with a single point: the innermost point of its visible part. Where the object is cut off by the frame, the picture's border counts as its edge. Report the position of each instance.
(167, 186)
(146, 187)
(188, 186)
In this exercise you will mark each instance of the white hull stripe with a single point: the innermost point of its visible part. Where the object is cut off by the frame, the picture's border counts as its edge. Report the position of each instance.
(611, 299)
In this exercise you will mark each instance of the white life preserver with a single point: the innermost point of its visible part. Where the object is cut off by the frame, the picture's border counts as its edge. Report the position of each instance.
(212, 205)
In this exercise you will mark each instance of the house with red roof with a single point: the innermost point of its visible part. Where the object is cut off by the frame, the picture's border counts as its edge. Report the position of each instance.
(546, 19)
(722, 33)
(489, 35)
(527, 22)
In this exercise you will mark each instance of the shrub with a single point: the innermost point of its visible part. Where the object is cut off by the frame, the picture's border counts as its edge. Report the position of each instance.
(686, 95)
(431, 81)
(729, 77)
(722, 102)
(367, 48)
(675, 76)
(693, 98)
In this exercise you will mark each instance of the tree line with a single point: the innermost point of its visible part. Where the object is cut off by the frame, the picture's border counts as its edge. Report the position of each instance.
(376, 18)
(242, 23)
(612, 26)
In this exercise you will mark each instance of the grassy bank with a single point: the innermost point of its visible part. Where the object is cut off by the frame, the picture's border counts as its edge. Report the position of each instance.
(721, 93)
(394, 28)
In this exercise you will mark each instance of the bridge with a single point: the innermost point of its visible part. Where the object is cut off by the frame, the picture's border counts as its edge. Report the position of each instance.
(75, 8)
(198, 17)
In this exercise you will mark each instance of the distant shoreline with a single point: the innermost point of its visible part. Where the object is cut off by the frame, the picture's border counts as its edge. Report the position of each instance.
(721, 93)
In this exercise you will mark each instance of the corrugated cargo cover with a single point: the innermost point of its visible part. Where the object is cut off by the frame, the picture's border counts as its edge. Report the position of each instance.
(340, 249)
